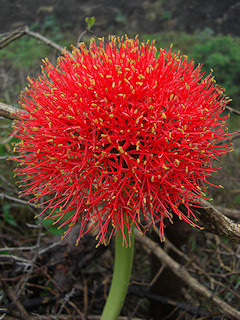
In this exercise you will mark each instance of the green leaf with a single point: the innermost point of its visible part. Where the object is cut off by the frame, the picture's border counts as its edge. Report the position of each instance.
(236, 199)
(7, 215)
(54, 228)
(48, 224)
(90, 22)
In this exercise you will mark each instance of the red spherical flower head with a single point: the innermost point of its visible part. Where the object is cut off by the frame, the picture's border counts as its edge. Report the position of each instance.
(119, 135)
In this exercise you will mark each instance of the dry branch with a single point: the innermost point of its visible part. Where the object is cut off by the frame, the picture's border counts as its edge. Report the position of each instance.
(8, 111)
(231, 213)
(16, 34)
(213, 221)
(14, 199)
(43, 39)
(232, 110)
(183, 274)
(10, 37)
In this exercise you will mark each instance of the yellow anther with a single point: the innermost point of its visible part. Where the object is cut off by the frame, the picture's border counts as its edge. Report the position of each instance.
(177, 162)
(137, 120)
(70, 117)
(120, 149)
(165, 167)
(164, 116)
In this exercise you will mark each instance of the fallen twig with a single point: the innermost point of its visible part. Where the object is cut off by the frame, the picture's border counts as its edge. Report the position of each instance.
(17, 249)
(169, 245)
(22, 311)
(34, 259)
(194, 310)
(183, 274)
(6, 258)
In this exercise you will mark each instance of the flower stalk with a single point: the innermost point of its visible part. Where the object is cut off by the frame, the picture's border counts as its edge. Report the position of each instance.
(121, 275)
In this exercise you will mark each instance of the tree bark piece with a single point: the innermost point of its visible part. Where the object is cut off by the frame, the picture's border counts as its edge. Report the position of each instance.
(213, 221)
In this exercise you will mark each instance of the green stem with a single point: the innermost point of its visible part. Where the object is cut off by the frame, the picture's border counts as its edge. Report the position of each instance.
(121, 275)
